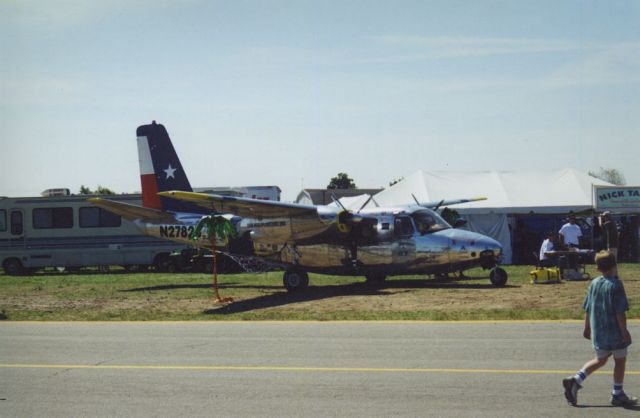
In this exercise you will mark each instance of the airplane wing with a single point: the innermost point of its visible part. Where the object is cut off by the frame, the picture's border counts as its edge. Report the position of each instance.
(133, 212)
(441, 203)
(245, 207)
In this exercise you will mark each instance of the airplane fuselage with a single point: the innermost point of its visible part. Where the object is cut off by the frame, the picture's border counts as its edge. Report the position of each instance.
(394, 245)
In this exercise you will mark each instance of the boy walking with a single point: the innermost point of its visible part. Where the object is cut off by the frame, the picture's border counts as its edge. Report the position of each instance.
(605, 324)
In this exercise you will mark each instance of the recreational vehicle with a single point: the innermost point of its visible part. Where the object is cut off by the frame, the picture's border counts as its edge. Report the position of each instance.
(69, 232)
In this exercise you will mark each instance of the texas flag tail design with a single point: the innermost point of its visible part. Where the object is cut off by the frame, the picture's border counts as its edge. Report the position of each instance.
(160, 169)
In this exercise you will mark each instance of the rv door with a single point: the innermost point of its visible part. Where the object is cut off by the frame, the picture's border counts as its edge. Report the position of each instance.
(16, 227)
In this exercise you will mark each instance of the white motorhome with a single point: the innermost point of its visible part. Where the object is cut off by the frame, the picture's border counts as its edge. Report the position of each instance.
(70, 232)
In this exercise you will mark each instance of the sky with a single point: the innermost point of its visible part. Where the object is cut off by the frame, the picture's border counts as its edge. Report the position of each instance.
(290, 93)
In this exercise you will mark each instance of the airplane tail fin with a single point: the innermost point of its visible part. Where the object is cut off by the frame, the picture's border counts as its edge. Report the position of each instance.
(160, 169)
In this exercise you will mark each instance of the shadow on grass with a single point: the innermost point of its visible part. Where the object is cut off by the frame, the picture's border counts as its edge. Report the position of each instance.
(281, 298)
(314, 293)
(443, 284)
(199, 286)
(341, 290)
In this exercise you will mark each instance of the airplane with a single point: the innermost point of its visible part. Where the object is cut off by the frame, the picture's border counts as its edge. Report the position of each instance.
(371, 241)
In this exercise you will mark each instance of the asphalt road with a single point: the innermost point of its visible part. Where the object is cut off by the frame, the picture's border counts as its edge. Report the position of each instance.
(299, 369)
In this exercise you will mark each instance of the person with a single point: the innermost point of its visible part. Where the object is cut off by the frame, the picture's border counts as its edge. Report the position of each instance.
(571, 232)
(605, 324)
(610, 233)
(547, 258)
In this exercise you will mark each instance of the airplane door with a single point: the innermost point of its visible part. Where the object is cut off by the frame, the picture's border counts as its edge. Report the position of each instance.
(16, 227)
(403, 248)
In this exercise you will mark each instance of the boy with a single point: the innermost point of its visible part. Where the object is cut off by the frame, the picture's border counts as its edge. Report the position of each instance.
(605, 324)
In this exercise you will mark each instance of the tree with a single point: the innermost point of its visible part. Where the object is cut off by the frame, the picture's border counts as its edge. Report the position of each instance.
(342, 181)
(104, 190)
(612, 175)
(214, 227)
(99, 190)
(85, 190)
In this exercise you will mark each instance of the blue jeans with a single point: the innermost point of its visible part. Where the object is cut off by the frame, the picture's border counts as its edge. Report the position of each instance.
(549, 262)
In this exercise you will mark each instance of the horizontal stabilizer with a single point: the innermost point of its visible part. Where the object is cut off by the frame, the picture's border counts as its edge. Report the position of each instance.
(245, 207)
(133, 212)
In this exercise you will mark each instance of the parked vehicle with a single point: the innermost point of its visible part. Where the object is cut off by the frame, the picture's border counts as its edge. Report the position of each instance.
(70, 232)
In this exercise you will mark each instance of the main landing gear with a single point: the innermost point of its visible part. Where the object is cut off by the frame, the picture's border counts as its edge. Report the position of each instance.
(295, 280)
(375, 279)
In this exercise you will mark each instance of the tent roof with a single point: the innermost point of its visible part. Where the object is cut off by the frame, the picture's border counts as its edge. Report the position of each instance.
(506, 191)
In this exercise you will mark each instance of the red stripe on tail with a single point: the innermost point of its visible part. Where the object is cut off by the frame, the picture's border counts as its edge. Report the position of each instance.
(150, 198)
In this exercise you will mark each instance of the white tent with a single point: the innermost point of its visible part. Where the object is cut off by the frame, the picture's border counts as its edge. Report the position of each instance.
(507, 192)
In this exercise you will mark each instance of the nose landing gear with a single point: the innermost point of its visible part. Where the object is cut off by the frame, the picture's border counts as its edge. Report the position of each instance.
(498, 276)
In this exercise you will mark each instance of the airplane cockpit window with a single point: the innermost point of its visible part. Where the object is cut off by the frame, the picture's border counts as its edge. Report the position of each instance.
(403, 226)
(428, 222)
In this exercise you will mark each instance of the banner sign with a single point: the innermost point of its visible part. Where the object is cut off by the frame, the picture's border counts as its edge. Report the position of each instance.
(616, 198)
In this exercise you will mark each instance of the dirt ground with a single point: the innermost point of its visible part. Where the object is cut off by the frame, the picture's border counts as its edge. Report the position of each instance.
(263, 297)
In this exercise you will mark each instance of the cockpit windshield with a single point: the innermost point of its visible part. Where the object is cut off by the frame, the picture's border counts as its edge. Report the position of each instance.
(427, 221)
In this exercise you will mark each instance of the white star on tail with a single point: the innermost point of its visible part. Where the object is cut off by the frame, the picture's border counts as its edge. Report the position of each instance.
(169, 171)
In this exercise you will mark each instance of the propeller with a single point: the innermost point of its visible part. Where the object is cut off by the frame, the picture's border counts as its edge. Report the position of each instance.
(352, 225)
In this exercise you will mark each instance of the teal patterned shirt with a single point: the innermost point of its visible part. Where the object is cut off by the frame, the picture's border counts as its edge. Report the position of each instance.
(606, 298)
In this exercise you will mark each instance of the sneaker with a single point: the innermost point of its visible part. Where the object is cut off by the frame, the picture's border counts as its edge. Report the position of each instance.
(623, 400)
(571, 390)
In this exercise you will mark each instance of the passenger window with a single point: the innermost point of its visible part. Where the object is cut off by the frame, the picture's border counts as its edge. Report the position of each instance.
(52, 218)
(403, 226)
(16, 223)
(3, 220)
(91, 217)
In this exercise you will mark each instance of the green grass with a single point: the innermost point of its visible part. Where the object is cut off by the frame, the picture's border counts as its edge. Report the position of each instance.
(118, 295)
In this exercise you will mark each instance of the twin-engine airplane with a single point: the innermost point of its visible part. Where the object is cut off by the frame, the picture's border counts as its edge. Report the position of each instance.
(375, 242)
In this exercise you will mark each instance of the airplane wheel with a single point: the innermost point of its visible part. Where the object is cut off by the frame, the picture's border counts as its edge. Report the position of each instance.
(295, 280)
(498, 276)
(374, 279)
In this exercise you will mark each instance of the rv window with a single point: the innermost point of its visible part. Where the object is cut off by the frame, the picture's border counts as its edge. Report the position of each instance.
(54, 218)
(91, 217)
(3, 220)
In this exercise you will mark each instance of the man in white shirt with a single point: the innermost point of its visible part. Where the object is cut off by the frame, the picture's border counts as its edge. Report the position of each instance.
(547, 258)
(571, 233)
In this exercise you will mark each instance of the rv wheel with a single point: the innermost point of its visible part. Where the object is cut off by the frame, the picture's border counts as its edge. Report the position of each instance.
(498, 276)
(162, 263)
(13, 267)
(295, 280)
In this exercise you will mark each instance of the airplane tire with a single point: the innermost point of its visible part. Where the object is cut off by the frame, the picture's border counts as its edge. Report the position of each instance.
(498, 276)
(373, 279)
(295, 280)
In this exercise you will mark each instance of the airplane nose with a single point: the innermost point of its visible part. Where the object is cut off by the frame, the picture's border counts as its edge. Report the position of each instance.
(492, 244)
(478, 243)
(490, 249)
